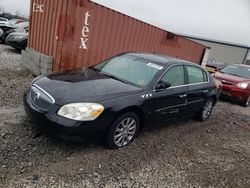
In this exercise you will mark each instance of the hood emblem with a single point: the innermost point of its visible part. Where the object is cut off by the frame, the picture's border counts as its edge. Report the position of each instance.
(36, 97)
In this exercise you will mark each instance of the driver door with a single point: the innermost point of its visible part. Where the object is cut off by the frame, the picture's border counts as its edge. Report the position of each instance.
(169, 103)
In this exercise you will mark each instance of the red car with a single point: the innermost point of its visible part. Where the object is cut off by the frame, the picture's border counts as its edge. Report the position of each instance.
(235, 81)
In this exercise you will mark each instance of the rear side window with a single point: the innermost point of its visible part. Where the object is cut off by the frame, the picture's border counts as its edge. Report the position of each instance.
(196, 75)
(175, 76)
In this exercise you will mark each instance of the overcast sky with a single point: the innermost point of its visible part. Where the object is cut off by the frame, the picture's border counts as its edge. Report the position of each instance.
(225, 20)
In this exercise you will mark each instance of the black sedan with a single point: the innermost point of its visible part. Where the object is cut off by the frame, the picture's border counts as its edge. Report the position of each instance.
(17, 40)
(120, 96)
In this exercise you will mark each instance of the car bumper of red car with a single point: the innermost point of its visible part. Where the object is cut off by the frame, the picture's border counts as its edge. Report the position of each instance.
(235, 93)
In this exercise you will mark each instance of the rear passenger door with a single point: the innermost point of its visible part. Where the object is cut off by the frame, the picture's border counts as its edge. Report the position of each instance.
(198, 89)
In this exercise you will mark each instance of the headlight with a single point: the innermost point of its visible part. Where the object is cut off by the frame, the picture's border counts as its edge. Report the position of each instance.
(81, 111)
(242, 85)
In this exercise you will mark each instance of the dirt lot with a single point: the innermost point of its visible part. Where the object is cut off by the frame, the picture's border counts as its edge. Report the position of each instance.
(188, 154)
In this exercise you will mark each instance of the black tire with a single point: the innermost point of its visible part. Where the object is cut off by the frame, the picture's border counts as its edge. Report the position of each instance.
(206, 110)
(114, 129)
(3, 41)
(246, 103)
(24, 45)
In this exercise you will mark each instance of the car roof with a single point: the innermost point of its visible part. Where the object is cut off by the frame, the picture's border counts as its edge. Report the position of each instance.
(162, 59)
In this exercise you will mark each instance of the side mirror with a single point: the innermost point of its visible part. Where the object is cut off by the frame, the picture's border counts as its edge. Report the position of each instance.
(162, 85)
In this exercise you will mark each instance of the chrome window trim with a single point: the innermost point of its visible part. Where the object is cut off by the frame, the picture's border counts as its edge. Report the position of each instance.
(45, 92)
(208, 79)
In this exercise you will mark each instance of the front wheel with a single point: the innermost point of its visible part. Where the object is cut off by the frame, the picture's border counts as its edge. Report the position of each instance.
(24, 45)
(246, 103)
(122, 131)
(206, 110)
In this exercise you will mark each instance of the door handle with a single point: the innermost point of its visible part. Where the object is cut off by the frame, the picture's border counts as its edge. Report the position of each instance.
(205, 91)
(182, 96)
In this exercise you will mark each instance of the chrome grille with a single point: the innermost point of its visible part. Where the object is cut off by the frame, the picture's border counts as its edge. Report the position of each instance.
(40, 98)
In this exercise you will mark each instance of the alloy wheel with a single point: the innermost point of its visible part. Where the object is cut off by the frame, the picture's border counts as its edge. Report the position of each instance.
(125, 131)
(248, 101)
(207, 109)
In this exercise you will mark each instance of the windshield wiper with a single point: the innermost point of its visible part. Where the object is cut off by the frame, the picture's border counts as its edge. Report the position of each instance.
(94, 69)
(114, 77)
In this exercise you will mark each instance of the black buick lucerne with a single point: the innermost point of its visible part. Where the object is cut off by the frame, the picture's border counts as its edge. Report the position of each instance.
(120, 96)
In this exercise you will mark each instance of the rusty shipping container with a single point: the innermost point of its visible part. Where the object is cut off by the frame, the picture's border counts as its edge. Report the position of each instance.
(69, 34)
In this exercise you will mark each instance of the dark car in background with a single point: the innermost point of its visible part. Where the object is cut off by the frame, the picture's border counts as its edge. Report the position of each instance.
(235, 82)
(213, 67)
(120, 96)
(17, 40)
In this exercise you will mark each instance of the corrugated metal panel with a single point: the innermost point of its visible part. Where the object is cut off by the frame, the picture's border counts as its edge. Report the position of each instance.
(57, 31)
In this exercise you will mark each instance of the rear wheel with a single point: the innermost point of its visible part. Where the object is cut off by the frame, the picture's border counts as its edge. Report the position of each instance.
(122, 131)
(206, 110)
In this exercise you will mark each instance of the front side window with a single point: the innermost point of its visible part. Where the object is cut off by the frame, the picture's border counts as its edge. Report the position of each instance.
(175, 76)
(196, 75)
(131, 69)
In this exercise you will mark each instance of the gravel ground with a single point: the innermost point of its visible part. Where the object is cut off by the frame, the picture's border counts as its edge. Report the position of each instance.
(215, 153)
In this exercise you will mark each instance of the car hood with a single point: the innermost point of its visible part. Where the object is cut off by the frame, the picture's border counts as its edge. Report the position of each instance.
(84, 85)
(231, 79)
(11, 36)
(17, 30)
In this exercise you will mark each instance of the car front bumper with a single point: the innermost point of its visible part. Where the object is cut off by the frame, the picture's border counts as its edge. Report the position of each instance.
(235, 93)
(15, 44)
(64, 129)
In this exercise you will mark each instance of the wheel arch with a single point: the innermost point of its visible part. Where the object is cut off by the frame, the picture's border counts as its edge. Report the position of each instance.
(135, 109)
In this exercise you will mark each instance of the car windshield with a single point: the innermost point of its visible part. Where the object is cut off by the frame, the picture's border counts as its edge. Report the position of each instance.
(130, 69)
(237, 71)
(22, 25)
